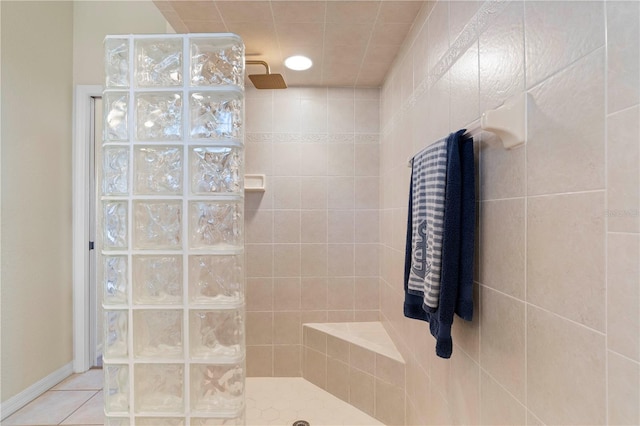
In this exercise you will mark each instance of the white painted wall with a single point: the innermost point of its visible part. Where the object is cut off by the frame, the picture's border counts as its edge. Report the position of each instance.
(37, 41)
(93, 20)
(47, 47)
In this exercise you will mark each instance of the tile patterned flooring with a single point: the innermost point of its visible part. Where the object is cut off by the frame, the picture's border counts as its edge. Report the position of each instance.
(270, 401)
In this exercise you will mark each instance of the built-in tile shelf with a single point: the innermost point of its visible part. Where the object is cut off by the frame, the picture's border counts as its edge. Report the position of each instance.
(254, 183)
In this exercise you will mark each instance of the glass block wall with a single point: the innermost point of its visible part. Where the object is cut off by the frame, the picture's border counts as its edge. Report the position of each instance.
(171, 221)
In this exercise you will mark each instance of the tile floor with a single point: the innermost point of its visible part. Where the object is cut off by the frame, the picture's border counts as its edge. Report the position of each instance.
(270, 401)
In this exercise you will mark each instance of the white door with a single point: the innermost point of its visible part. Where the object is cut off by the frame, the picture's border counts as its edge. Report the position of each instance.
(95, 295)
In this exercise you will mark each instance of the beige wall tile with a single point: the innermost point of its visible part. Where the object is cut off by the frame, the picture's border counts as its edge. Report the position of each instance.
(340, 293)
(286, 192)
(340, 226)
(464, 391)
(338, 379)
(287, 328)
(337, 349)
(314, 316)
(565, 370)
(259, 115)
(313, 260)
(315, 339)
(313, 113)
(259, 361)
(313, 226)
(341, 116)
(287, 360)
(315, 367)
(362, 359)
(340, 192)
(314, 193)
(466, 334)
(366, 292)
(341, 159)
(623, 171)
(502, 246)
(623, 59)
(341, 316)
(259, 294)
(258, 226)
(313, 161)
(286, 294)
(361, 391)
(314, 293)
(286, 260)
(465, 89)
(286, 158)
(390, 370)
(623, 295)
(367, 159)
(366, 192)
(340, 260)
(565, 145)
(497, 406)
(502, 348)
(499, 80)
(581, 26)
(259, 260)
(258, 157)
(259, 328)
(367, 115)
(623, 390)
(286, 226)
(367, 226)
(502, 171)
(390, 401)
(565, 249)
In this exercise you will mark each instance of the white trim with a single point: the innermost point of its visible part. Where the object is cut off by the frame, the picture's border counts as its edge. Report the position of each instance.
(80, 237)
(18, 401)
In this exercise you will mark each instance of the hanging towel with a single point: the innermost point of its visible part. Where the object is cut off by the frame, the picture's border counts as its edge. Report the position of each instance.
(456, 273)
(428, 181)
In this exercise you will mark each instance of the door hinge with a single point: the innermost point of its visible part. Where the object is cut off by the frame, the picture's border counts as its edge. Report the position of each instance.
(90, 245)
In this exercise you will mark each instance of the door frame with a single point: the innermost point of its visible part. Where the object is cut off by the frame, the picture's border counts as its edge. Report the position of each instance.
(81, 221)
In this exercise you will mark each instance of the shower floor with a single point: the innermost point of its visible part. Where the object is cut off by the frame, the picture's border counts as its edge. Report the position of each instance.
(270, 401)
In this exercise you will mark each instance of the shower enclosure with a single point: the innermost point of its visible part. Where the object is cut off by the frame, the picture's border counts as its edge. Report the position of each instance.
(171, 221)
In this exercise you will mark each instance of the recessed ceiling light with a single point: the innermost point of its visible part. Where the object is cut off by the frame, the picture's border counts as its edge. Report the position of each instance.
(298, 63)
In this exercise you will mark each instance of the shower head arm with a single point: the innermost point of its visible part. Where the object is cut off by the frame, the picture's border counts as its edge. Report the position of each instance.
(254, 62)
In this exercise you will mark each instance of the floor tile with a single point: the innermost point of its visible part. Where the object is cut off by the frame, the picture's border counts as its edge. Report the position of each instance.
(49, 409)
(90, 380)
(91, 413)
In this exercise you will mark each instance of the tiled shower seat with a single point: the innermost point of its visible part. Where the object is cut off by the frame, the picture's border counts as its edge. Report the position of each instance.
(358, 363)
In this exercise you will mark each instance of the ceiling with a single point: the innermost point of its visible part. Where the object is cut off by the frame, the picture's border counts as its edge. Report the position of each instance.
(351, 43)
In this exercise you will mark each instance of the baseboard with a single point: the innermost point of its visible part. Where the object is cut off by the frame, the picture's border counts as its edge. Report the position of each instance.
(18, 401)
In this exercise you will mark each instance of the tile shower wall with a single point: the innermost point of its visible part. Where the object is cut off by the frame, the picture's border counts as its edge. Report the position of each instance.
(312, 236)
(555, 338)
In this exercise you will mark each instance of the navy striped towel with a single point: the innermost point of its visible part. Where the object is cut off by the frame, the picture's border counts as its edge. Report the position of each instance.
(428, 182)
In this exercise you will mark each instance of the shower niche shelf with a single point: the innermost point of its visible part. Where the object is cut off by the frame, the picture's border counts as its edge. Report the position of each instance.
(254, 183)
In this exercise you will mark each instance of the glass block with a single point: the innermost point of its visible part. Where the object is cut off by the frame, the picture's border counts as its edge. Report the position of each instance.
(116, 388)
(215, 224)
(212, 421)
(216, 334)
(115, 280)
(158, 170)
(217, 61)
(159, 116)
(216, 115)
(215, 169)
(216, 279)
(159, 421)
(159, 388)
(158, 62)
(217, 388)
(116, 421)
(115, 334)
(116, 62)
(115, 170)
(158, 224)
(158, 333)
(115, 224)
(157, 279)
(116, 107)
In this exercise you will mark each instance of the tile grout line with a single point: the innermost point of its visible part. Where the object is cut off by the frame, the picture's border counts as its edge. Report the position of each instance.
(606, 209)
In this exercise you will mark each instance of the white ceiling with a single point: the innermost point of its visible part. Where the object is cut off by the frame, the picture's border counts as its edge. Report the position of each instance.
(351, 43)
